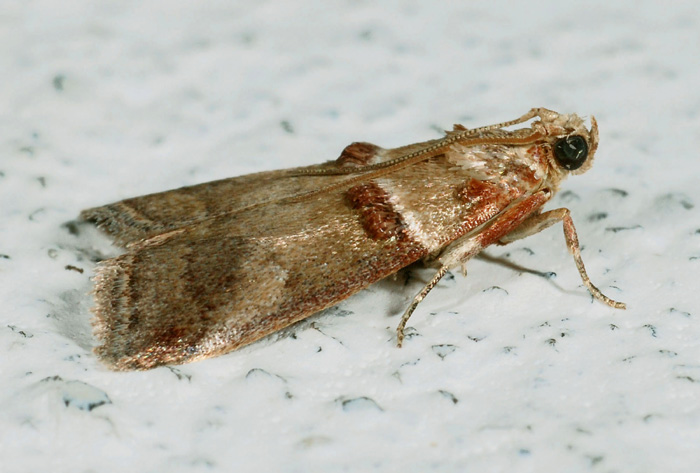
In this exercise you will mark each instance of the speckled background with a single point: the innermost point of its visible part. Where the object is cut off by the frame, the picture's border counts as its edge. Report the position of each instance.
(505, 371)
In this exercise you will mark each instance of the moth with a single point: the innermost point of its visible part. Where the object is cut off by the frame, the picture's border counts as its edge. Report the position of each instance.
(215, 266)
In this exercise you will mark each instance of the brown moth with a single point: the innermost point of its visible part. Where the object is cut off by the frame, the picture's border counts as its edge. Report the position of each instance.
(215, 266)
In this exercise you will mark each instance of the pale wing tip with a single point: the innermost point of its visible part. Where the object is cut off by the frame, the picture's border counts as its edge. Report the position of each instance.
(114, 222)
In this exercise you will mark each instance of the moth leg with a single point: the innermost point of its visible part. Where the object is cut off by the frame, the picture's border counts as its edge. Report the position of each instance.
(417, 300)
(420, 296)
(518, 221)
(534, 112)
(464, 248)
(539, 222)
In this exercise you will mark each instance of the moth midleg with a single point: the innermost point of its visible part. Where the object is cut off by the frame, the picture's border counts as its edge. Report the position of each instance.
(417, 300)
(467, 246)
(537, 223)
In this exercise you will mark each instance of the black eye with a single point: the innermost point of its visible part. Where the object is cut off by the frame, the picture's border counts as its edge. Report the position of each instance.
(571, 152)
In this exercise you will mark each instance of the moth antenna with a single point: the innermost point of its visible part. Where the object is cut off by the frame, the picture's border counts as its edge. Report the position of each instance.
(374, 171)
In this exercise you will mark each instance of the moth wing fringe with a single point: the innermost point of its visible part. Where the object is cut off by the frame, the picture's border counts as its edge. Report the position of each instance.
(110, 221)
(109, 322)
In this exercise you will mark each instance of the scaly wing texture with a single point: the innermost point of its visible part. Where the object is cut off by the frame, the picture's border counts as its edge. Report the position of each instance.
(146, 216)
(215, 285)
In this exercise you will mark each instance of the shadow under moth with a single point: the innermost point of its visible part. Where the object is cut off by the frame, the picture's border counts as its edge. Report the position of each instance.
(215, 266)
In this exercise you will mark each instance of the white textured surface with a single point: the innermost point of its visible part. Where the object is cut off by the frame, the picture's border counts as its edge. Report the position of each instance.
(507, 372)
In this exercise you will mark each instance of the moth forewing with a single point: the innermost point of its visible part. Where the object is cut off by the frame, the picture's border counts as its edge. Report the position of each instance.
(223, 264)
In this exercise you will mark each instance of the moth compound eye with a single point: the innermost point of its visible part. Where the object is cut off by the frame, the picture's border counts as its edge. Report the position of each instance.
(571, 152)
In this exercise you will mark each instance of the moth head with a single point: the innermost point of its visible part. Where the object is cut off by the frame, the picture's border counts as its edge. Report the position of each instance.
(572, 144)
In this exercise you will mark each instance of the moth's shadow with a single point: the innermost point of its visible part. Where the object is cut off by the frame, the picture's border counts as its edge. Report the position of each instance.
(506, 263)
(411, 279)
(72, 316)
(71, 313)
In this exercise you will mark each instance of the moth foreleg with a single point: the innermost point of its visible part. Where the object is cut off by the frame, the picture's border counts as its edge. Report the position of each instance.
(539, 222)
(519, 221)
